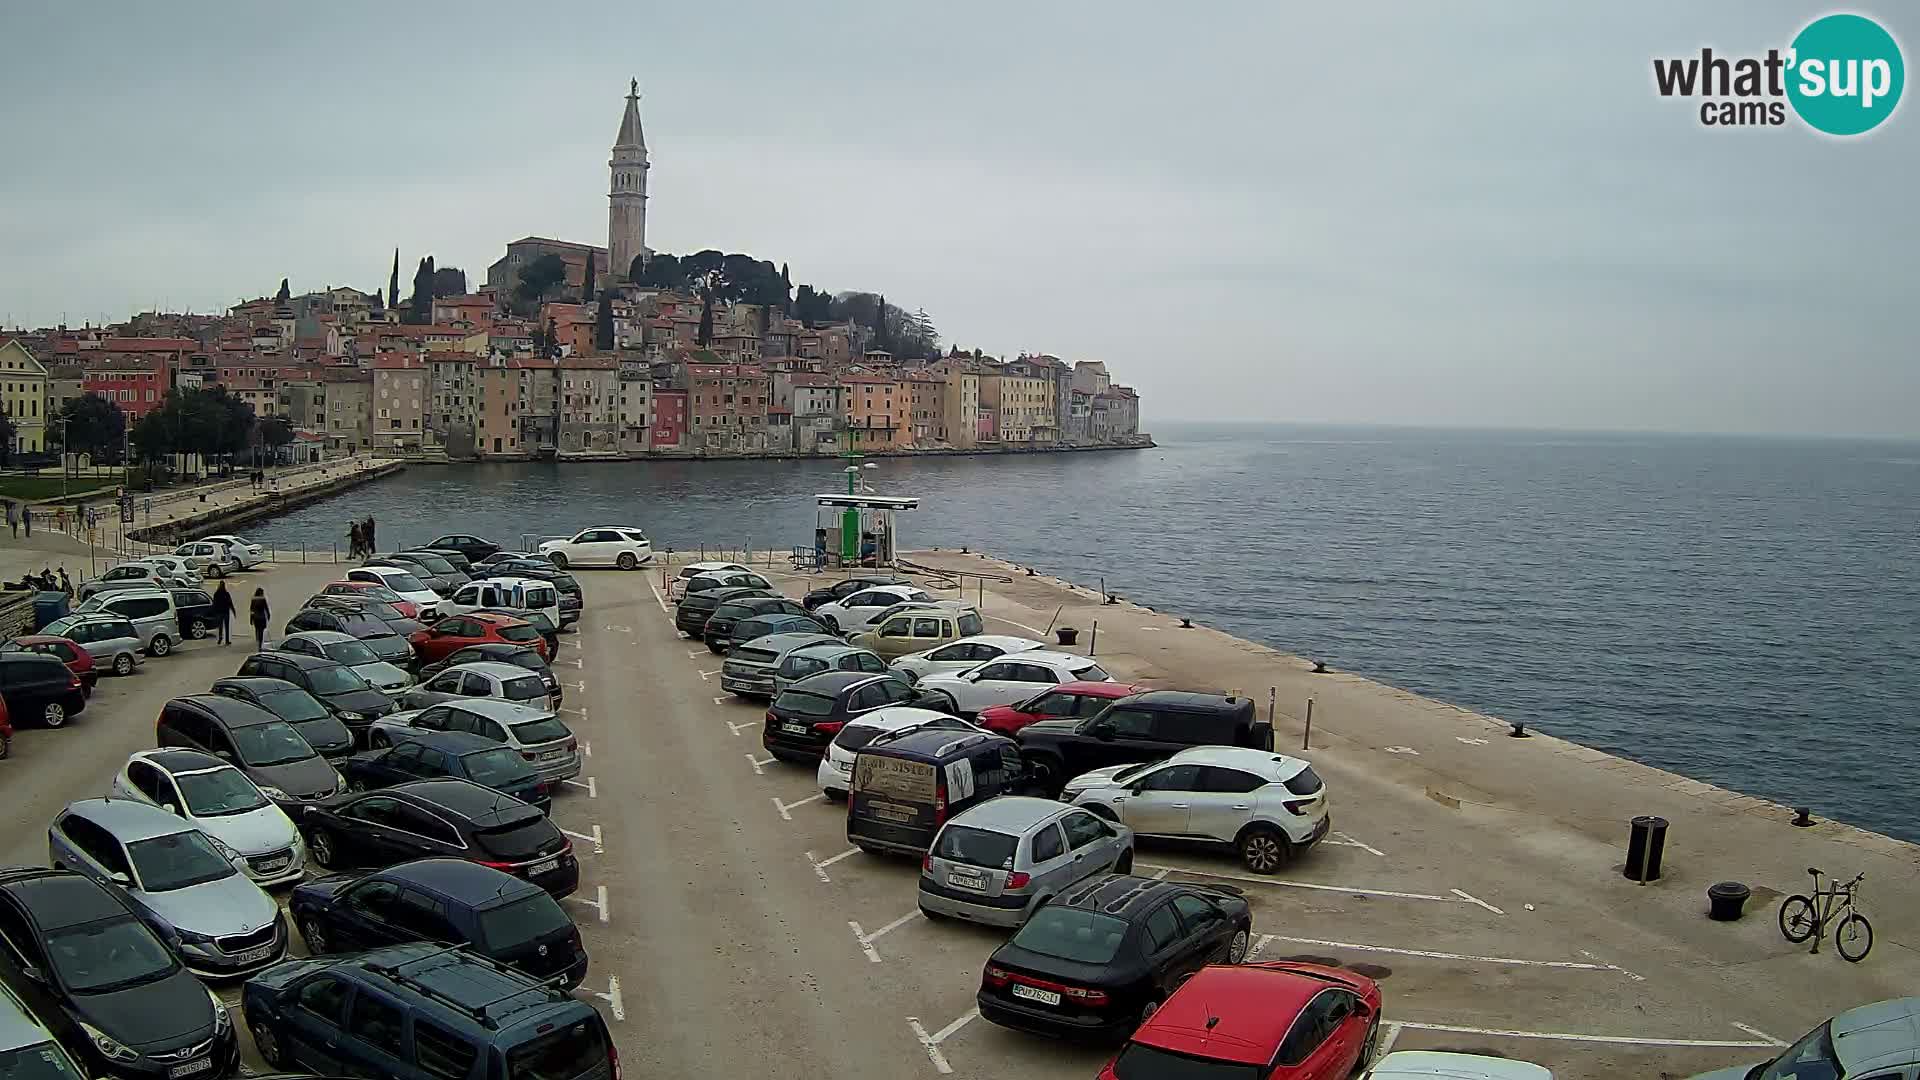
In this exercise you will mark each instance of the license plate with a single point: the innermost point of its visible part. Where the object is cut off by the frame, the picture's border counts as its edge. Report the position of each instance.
(545, 866)
(796, 729)
(192, 1068)
(254, 956)
(274, 866)
(962, 879)
(1044, 997)
(552, 754)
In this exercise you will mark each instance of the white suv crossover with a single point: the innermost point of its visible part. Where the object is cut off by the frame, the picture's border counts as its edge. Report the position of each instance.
(1010, 679)
(1268, 807)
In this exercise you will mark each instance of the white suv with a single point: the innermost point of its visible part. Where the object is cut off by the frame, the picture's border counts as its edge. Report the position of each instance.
(961, 655)
(604, 545)
(1266, 806)
(857, 613)
(1012, 678)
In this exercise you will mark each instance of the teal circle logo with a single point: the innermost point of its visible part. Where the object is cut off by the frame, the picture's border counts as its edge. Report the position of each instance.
(1847, 74)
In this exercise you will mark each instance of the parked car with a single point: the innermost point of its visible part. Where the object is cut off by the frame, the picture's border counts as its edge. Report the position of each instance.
(151, 612)
(471, 1018)
(1102, 956)
(505, 592)
(473, 547)
(39, 689)
(748, 670)
(367, 589)
(250, 555)
(906, 784)
(430, 755)
(522, 656)
(349, 697)
(916, 627)
(541, 738)
(835, 774)
(77, 659)
(810, 660)
(452, 901)
(81, 958)
(132, 575)
(1000, 860)
(483, 679)
(28, 1049)
(1287, 1021)
(111, 640)
(184, 887)
(678, 584)
(1144, 727)
(436, 564)
(694, 611)
(853, 614)
(718, 631)
(1870, 1042)
(549, 630)
(374, 637)
(456, 632)
(454, 558)
(363, 615)
(6, 731)
(1441, 1065)
(604, 545)
(1267, 807)
(1067, 701)
(442, 585)
(323, 731)
(1012, 678)
(426, 602)
(847, 586)
(180, 570)
(509, 556)
(209, 559)
(254, 834)
(353, 652)
(447, 818)
(960, 655)
(723, 579)
(269, 750)
(572, 600)
(807, 715)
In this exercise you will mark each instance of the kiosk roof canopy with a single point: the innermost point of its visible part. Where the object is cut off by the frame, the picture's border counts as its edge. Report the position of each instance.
(869, 502)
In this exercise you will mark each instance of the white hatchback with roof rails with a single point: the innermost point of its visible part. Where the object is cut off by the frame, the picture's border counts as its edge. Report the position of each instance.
(858, 612)
(603, 545)
(1268, 807)
(963, 654)
(677, 587)
(1010, 679)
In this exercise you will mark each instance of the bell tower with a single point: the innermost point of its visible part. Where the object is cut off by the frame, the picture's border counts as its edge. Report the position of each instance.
(627, 191)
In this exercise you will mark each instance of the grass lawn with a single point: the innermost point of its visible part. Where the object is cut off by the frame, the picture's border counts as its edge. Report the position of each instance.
(36, 488)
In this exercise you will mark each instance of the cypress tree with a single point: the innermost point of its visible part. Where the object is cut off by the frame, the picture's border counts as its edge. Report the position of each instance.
(285, 293)
(603, 324)
(586, 287)
(393, 282)
(706, 318)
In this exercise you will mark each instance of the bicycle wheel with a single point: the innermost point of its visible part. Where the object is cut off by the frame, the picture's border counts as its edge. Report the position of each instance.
(1796, 918)
(1854, 937)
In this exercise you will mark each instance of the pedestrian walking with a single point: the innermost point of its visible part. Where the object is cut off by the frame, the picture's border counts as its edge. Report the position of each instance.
(26, 518)
(353, 540)
(223, 613)
(259, 614)
(13, 519)
(371, 546)
(66, 583)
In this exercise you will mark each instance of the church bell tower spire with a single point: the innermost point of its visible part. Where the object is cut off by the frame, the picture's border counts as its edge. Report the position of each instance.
(627, 191)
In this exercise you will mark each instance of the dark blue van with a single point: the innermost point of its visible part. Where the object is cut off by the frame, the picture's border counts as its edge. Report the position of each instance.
(906, 784)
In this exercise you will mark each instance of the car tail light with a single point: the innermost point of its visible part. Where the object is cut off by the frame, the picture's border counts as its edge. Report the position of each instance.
(995, 977)
(528, 754)
(1298, 806)
(771, 718)
(613, 1059)
(73, 681)
(1084, 996)
(926, 863)
(940, 806)
(1018, 880)
(496, 865)
(831, 727)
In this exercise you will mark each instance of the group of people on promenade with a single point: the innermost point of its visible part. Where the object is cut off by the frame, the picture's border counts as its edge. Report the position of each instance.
(258, 614)
(360, 538)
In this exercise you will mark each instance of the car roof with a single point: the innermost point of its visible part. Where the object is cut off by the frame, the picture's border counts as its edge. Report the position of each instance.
(1442, 1065)
(1070, 661)
(1100, 689)
(500, 709)
(482, 886)
(830, 649)
(787, 640)
(1874, 1036)
(1003, 642)
(233, 711)
(303, 661)
(695, 569)
(37, 639)
(509, 579)
(18, 1026)
(496, 668)
(1010, 813)
(903, 591)
(832, 682)
(492, 648)
(465, 986)
(1120, 895)
(1264, 763)
(933, 744)
(895, 717)
(1240, 1012)
(128, 820)
(496, 620)
(478, 805)
(179, 761)
(723, 571)
(60, 898)
(259, 684)
(457, 743)
(322, 637)
(1188, 701)
(759, 601)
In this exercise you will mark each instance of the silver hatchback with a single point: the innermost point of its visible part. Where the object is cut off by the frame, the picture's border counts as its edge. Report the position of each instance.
(999, 861)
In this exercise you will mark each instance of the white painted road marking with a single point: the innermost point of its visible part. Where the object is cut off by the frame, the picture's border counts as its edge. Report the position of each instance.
(866, 940)
(575, 663)
(599, 846)
(1387, 1038)
(1469, 742)
(759, 764)
(1401, 750)
(1343, 840)
(1563, 1036)
(1458, 898)
(580, 686)
(621, 629)
(705, 675)
(820, 866)
(720, 701)
(1265, 939)
(784, 807)
(1751, 1030)
(695, 654)
(661, 600)
(581, 713)
(1472, 899)
(593, 788)
(586, 747)
(738, 728)
(1034, 630)
(600, 904)
(932, 1042)
(612, 998)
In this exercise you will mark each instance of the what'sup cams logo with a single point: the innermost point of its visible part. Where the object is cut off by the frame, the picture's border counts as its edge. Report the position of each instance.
(1842, 75)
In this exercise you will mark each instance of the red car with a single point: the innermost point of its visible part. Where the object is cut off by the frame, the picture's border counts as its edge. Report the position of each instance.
(6, 730)
(71, 653)
(456, 632)
(1278, 1021)
(378, 592)
(1066, 701)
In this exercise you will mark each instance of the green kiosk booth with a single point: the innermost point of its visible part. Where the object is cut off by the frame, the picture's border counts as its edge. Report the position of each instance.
(857, 529)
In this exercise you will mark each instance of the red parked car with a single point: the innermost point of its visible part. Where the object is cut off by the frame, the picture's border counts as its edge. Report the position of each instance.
(71, 653)
(1067, 701)
(456, 632)
(378, 592)
(6, 730)
(1283, 1021)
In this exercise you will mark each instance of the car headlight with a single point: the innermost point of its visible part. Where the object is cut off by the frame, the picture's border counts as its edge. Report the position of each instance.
(225, 852)
(339, 782)
(222, 1020)
(113, 1048)
(354, 716)
(274, 793)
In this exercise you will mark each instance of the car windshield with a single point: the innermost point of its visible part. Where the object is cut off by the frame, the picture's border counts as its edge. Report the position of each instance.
(220, 792)
(496, 768)
(803, 703)
(323, 731)
(855, 736)
(522, 921)
(1304, 782)
(295, 705)
(976, 847)
(350, 652)
(335, 680)
(382, 610)
(277, 743)
(560, 1055)
(519, 840)
(519, 634)
(524, 688)
(1809, 1059)
(105, 956)
(45, 1061)
(401, 581)
(184, 859)
(545, 729)
(1085, 937)
(1139, 1061)
(526, 658)
(1092, 673)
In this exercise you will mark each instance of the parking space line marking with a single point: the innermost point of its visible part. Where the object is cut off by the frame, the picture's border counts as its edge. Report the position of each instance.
(593, 788)
(1343, 840)
(705, 675)
(784, 807)
(1472, 899)
(571, 643)
(892, 926)
(1161, 874)
(930, 1044)
(820, 866)
(580, 686)
(600, 904)
(860, 936)
(1434, 955)
(1035, 631)
(612, 998)
(1751, 1030)
(720, 701)
(575, 662)
(866, 940)
(758, 763)
(658, 599)
(1618, 968)
(1283, 883)
(599, 847)
(695, 654)
(738, 728)
(581, 713)
(621, 629)
(1387, 1037)
(1563, 1036)
(586, 747)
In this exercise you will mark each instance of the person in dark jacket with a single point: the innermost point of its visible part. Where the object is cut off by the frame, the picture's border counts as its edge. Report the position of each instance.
(223, 611)
(259, 615)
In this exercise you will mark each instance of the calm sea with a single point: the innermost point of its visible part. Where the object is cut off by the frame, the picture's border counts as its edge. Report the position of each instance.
(1742, 611)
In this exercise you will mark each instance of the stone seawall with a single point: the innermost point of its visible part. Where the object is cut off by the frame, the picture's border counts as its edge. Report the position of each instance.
(230, 515)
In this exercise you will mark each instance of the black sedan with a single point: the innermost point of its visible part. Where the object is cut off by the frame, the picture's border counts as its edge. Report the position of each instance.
(807, 715)
(1091, 963)
(461, 755)
(696, 609)
(718, 631)
(104, 985)
(846, 587)
(504, 652)
(475, 548)
(426, 819)
(315, 723)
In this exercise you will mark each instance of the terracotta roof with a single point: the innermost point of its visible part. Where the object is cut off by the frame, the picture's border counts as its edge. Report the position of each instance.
(588, 363)
(147, 344)
(567, 245)
(773, 410)
(868, 379)
(444, 356)
(810, 379)
(394, 362)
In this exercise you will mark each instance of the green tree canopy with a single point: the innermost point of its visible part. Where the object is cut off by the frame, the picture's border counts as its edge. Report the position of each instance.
(539, 277)
(209, 422)
(94, 426)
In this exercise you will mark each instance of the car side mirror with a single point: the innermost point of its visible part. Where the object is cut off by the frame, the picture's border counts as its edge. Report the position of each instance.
(1103, 732)
(120, 878)
(1138, 787)
(170, 808)
(1360, 1009)
(224, 755)
(34, 973)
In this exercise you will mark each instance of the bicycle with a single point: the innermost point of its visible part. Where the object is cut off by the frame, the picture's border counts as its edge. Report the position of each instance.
(1803, 917)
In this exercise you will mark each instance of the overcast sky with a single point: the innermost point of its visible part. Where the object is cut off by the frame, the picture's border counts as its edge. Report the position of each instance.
(1459, 214)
